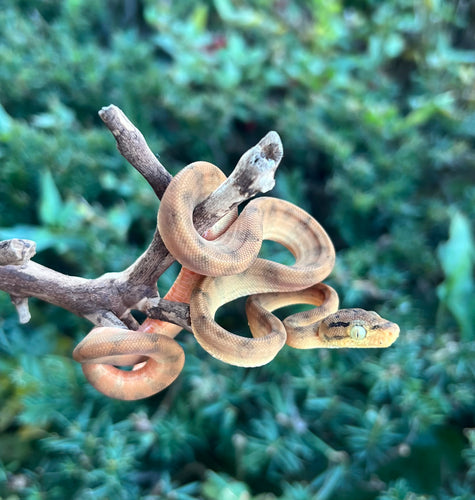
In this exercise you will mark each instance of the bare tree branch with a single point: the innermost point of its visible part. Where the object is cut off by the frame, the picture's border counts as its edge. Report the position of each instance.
(133, 147)
(171, 312)
(16, 251)
(22, 309)
(109, 299)
(253, 174)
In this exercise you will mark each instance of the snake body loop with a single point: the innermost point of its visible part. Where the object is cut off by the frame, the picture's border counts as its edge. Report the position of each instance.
(314, 255)
(231, 252)
(324, 325)
(118, 346)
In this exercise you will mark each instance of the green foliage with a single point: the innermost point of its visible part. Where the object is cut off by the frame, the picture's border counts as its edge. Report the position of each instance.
(374, 103)
(457, 258)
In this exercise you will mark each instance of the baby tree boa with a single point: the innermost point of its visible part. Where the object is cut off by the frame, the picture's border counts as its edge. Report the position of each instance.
(222, 266)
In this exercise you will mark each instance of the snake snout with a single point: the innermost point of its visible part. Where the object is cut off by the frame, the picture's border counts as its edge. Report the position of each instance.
(391, 333)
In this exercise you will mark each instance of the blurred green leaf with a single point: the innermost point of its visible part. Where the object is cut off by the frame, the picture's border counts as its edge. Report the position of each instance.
(223, 487)
(5, 123)
(43, 237)
(394, 45)
(50, 204)
(199, 17)
(457, 258)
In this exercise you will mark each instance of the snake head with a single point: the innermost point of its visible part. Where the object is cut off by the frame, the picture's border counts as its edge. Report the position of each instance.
(357, 328)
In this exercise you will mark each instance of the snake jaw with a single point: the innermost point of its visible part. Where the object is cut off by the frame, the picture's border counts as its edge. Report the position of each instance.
(357, 328)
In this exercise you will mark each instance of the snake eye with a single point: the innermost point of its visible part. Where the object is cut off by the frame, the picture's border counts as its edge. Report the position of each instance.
(357, 332)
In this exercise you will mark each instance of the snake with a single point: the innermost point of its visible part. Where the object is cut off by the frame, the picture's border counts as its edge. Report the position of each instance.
(218, 267)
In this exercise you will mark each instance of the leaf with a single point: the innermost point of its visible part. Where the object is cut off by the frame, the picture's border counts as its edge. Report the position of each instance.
(43, 237)
(199, 17)
(5, 123)
(394, 45)
(120, 219)
(457, 292)
(225, 488)
(333, 477)
(51, 205)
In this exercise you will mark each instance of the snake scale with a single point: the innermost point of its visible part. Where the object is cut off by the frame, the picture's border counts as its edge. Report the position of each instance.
(219, 267)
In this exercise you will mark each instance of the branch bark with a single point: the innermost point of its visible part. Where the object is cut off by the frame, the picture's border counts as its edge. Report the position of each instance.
(134, 148)
(253, 174)
(107, 300)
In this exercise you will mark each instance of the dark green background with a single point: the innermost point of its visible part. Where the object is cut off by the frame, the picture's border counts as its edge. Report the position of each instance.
(375, 104)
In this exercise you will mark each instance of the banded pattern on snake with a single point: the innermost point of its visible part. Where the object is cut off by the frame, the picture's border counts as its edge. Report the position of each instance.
(219, 268)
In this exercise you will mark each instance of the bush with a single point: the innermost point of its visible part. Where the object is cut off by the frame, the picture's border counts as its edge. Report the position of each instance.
(374, 104)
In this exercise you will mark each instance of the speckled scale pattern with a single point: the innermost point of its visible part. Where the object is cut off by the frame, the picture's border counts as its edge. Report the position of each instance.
(230, 253)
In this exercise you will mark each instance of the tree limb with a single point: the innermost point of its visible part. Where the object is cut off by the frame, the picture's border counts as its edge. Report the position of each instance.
(171, 312)
(107, 300)
(134, 148)
(253, 174)
(16, 251)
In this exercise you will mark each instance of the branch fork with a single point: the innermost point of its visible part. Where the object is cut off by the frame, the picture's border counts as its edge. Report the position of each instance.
(109, 299)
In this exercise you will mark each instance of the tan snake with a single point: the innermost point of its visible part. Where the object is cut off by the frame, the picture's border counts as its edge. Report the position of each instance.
(220, 270)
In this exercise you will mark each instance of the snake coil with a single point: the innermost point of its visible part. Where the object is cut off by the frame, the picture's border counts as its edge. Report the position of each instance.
(219, 268)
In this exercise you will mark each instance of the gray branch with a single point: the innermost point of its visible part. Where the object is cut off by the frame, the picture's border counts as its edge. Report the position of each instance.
(16, 252)
(109, 299)
(253, 174)
(172, 312)
(134, 148)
